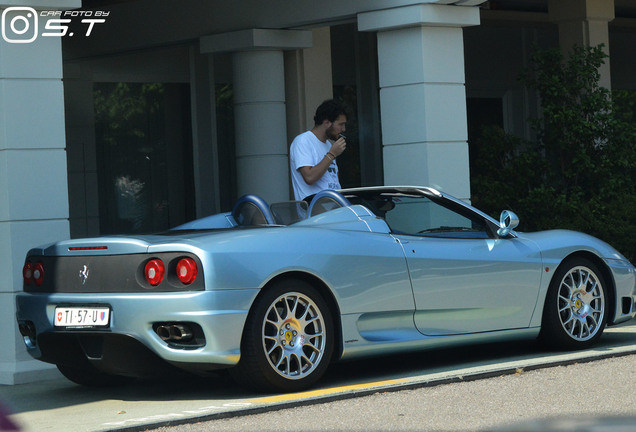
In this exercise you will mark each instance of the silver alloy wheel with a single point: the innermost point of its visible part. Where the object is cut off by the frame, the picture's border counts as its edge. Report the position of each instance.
(294, 336)
(581, 303)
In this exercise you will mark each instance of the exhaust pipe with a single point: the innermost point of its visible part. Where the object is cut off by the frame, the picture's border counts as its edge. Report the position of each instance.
(180, 332)
(27, 330)
(163, 332)
(174, 332)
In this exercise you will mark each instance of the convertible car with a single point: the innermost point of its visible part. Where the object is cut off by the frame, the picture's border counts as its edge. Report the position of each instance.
(275, 293)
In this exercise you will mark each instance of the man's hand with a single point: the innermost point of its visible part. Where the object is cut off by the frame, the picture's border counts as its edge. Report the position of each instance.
(338, 147)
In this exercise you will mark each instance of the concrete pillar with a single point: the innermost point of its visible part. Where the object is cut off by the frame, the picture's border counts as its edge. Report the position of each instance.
(33, 174)
(259, 106)
(260, 124)
(422, 94)
(584, 23)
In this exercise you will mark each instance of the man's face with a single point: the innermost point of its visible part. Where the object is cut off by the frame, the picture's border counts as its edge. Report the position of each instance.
(337, 127)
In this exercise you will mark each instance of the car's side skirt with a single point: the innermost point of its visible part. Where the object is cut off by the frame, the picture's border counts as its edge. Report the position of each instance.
(356, 346)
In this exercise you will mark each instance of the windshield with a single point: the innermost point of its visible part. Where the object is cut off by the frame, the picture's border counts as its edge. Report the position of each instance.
(419, 215)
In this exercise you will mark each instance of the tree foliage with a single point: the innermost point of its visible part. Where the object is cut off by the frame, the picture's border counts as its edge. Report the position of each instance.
(122, 110)
(580, 172)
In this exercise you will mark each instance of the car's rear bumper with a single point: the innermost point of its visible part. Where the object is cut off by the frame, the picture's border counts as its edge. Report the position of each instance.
(220, 316)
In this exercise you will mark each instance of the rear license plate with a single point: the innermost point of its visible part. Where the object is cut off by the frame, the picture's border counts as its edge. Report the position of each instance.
(79, 316)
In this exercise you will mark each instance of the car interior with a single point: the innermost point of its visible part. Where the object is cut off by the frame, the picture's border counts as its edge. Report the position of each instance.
(252, 210)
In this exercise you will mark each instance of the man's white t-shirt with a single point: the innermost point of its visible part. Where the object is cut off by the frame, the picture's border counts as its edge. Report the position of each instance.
(308, 150)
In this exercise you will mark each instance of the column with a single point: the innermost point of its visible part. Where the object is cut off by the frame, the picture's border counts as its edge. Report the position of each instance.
(422, 94)
(262, 162)
(584, 23)
(33, 174)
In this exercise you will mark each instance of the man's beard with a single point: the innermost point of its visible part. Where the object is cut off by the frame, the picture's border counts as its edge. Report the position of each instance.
(331, 134)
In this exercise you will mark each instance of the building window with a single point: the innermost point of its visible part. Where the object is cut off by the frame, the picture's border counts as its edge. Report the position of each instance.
(144, 154)
(355, 81)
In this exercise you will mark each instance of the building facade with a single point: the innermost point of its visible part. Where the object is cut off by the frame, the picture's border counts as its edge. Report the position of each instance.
(135, 116)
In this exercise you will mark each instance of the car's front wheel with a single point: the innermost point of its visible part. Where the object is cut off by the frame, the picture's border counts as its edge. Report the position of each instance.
(575, 311)
(288, 339)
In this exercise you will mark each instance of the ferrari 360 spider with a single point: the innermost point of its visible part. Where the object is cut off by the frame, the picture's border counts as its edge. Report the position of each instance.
(275, 293)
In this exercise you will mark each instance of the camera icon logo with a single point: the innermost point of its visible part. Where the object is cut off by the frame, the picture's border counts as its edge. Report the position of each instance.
(19, 24)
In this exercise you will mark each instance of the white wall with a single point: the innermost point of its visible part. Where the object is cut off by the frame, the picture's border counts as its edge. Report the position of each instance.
(33, 176)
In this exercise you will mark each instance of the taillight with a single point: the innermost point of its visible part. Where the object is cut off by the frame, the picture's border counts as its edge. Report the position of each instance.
(38, 273)
(187, 270)
(27, 273)
(154, 272)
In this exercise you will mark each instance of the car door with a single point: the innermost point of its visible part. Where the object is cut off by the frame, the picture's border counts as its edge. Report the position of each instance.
(464, 279)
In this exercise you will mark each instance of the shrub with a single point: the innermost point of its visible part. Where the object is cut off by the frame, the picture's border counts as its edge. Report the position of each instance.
(580, 173)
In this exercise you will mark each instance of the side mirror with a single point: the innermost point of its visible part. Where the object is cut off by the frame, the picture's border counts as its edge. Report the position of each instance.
(507, 222)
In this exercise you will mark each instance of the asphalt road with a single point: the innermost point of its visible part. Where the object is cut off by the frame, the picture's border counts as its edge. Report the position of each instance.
(594, 396)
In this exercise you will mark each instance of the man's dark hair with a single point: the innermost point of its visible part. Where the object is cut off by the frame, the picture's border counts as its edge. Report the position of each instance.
(329, 110)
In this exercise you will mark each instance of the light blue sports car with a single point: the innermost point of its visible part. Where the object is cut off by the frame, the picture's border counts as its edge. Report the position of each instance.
(276, 292)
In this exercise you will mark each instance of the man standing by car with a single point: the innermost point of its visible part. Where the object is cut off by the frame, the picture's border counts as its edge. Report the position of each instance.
(313, 154)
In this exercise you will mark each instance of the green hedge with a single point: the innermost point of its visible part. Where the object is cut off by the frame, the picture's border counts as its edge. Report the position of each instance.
(580, 173)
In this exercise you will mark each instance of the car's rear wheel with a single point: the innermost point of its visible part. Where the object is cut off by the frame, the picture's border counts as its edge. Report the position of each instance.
(575, 311)
(288, 339)
(90, 376)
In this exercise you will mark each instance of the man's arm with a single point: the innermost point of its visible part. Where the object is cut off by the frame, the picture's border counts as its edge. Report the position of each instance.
(311, 174)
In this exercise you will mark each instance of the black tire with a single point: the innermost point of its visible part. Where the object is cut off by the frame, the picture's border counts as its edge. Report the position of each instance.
(288, 339)
(575, 310)
(89, 376)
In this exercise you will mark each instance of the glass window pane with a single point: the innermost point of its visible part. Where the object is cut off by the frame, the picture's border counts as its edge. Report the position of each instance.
(422, 216)
(144, 150)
